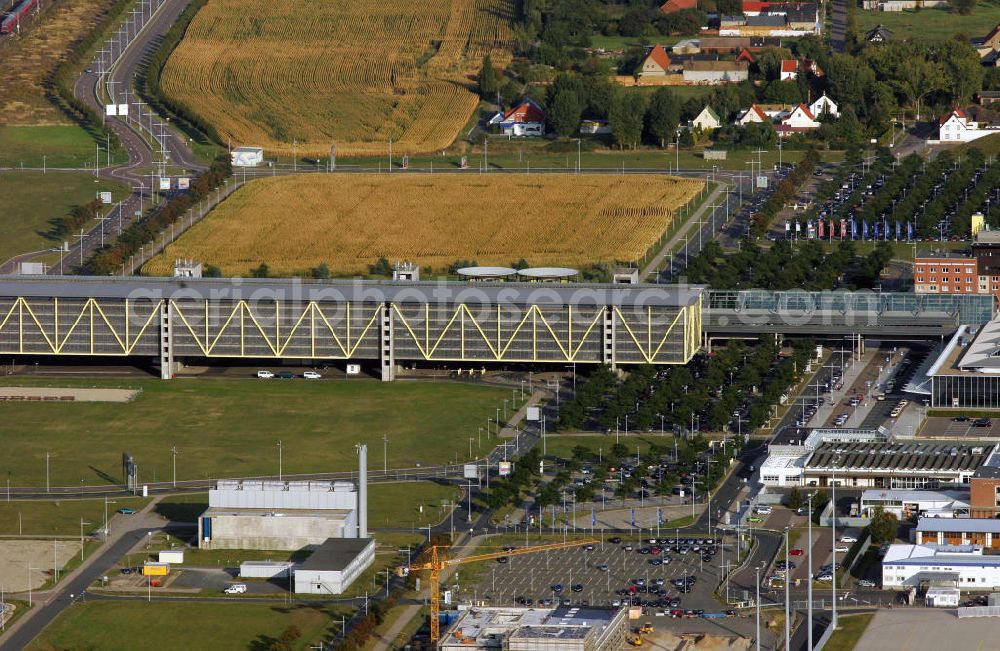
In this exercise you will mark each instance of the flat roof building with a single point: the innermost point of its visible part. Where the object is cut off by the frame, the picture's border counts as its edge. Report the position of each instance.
(538, 629)
(334, 565)
(254, 514)
(910, 504)
(917, 566)
(984, 532)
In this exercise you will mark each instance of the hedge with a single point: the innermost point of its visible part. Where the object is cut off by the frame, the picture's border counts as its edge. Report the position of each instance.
(150, 74)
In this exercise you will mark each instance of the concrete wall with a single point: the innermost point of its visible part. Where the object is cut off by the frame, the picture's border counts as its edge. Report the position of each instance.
(269, 532)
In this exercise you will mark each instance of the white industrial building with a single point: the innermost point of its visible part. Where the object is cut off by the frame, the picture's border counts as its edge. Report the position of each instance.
(964, 567)
(538, 629)
(328, 518)
(334, 565)
(909, 504)
(867, 459)
(277, 515)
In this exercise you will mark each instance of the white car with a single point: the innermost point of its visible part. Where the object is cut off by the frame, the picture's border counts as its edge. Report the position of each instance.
(236, 588)
(265, 375)
(866, 583)
(840, 548)
(848, 539)
(311, 375)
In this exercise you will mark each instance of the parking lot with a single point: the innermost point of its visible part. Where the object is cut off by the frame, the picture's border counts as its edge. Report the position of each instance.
(950, 428)
(582, 577)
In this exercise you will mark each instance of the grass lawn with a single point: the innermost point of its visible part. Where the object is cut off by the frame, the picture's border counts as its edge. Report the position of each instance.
(231, 428)
(933, 23)
(59, 518)
(127, 625)
(849, 630)
(33, 199)
(59, 145)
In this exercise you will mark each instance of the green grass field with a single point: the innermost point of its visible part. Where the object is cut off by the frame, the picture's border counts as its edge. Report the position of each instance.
(932, 23)
(125, 626)
(58, 518)
(33, 199)
(849, 631)
(51, 146)
(231, 428)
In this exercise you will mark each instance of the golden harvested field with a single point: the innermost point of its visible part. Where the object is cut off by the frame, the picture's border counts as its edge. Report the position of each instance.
(28, 59)
(355, 73)
(348, 221)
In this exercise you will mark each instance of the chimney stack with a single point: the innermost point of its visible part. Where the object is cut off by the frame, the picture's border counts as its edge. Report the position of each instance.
(362, 491)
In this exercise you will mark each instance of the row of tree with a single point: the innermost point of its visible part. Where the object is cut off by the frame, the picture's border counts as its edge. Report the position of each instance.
(786, 190)
(110, 259)
(806, 265)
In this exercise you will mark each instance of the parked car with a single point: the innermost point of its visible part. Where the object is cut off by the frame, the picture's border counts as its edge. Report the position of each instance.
(237, 588)
(286, 375)
(311, 375)
(796, 552)
(265, 375)
(866, 583)
(848, 539)
(982, 422)
(840, 548)
(126, 510)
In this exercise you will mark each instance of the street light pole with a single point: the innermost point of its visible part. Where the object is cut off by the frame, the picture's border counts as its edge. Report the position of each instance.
(788, 577)
(173, 451)
(279, 460)
(757, 635)
(809, 562)
(385, 453)
(833, 537)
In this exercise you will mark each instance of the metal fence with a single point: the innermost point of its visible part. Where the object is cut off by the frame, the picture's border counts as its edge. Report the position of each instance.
(978, 611)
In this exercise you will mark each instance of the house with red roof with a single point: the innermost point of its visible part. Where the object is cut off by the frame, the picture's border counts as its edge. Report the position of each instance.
(752, 114)
(789, 70)
(656, 63)
(525, 119)
(800, 119)
(745, 55)
(673, 6)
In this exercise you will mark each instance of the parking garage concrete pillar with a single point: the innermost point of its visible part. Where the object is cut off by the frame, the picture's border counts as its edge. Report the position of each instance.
(166, 341)
(387, 358)
(608, 337)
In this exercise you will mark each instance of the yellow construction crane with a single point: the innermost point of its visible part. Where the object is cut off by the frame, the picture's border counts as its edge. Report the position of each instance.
(437, 563)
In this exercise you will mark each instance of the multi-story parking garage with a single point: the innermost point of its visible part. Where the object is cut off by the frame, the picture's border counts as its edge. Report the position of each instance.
(383, 323)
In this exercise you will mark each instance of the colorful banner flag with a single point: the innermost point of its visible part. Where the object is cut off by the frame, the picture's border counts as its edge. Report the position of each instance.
(798, 226)
(633, 516)
(909, 230)
(864, 230)
(593, 517)
(843, 228)
(659, 517)
(788, 225)
(899, 230)
(854, 229)
(820, 229)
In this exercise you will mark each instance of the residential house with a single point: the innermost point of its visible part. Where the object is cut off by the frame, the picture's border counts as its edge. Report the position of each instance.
(673, 6)
(799, 120)
(716, 72)
(752, 114)
(656, 63)
(810, 66)
(958, 126)
(745, 55)
(804, 18)
(824, 105)
(988, 97)
(707, 120)
(789, 70)
(524, 119)
(878, 34)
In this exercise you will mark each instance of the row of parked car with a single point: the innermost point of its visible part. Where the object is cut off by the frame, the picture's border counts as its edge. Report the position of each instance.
(287, 375)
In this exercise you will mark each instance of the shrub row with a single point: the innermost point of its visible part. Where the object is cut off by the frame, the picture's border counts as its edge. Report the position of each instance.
(109, 259)
(78, 217)
(150, 74)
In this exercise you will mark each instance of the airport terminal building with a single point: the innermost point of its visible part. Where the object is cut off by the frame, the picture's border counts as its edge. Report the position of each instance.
(566, 628)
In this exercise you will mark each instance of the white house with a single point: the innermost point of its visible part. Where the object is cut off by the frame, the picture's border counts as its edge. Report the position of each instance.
(789, 69)
(752, 114)
(800, 119)
(707, 120)
(957, 126)
(824, 105)
(525, 119)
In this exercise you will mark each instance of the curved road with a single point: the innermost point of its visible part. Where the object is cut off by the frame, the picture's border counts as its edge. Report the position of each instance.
(141, 157)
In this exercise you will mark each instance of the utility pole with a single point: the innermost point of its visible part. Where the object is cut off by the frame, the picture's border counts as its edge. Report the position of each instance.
(809, 580)
(385, 453)
(279, 460)
(173, 451)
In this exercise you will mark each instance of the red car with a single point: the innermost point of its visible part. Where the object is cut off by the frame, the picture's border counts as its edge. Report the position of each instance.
(795, 552)
(655, 551)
